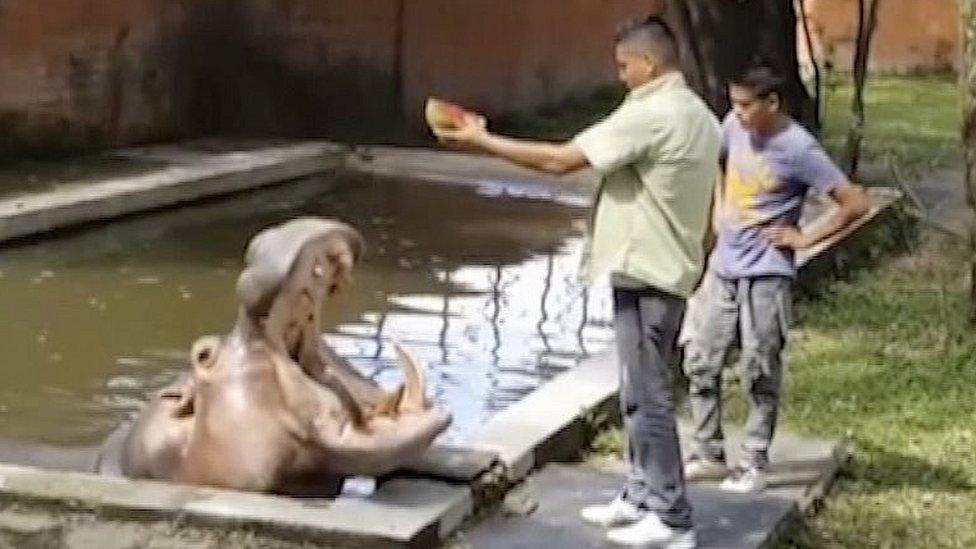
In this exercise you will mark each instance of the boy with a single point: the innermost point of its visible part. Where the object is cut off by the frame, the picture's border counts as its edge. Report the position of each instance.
(769, 163)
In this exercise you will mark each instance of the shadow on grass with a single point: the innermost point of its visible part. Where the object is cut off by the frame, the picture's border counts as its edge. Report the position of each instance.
(878, 469)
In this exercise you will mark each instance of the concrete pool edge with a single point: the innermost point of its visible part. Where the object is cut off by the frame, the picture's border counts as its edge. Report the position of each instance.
(188, 176)
(403, 512)
(550, 424)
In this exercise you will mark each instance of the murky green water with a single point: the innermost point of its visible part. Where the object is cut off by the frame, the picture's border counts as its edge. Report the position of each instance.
(480, 284)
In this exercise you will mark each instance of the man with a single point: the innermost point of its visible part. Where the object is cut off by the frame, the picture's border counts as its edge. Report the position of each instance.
(770, 162)
(658, 158)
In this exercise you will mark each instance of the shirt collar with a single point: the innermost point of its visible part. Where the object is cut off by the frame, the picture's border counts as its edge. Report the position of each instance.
(668, 80)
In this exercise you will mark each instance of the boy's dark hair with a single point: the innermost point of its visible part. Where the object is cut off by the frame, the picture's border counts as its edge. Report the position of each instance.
(761, 80)
(652, 33)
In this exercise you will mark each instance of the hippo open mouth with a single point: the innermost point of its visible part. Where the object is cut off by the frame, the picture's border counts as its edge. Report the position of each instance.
(270, 406)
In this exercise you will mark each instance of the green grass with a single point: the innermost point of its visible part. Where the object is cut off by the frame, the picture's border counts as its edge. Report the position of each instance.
(887, 360)
(914, 120)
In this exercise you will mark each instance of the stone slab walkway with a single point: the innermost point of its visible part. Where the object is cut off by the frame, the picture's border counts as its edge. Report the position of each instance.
(802, 471)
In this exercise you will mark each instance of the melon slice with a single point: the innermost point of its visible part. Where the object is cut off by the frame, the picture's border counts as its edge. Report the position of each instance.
(444, 115)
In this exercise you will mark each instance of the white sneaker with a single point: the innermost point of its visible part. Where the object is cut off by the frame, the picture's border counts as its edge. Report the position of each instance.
(615, 513)
(651, 532)
(697, 469)
(745, 480)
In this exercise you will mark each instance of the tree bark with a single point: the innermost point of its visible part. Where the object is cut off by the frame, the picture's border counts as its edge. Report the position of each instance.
(817, 74)
(721, 38)
(968, 93)
(867, 20)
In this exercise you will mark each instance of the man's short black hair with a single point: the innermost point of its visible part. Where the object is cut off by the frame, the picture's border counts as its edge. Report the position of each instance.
(761, 80)
(652, 33)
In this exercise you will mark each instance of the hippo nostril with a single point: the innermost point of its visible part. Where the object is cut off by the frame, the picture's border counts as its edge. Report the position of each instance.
(204, 355)
(204, 351)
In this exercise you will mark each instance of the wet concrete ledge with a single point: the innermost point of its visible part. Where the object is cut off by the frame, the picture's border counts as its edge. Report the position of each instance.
(420, 506)
(186, 174)
(402, 512)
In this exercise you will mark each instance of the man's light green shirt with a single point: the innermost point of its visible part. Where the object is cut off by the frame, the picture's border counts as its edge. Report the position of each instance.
(658, 158)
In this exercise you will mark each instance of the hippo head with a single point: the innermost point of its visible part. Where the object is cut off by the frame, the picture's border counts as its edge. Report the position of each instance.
(270, 406)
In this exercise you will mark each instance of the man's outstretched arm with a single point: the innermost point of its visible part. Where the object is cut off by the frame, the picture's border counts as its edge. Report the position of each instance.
(554, 158)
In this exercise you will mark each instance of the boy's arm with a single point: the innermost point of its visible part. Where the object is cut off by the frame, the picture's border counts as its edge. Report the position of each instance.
(714, 215)
(852, 203)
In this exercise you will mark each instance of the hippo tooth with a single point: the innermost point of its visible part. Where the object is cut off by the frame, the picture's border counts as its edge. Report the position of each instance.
(414, 387)
(389, 404)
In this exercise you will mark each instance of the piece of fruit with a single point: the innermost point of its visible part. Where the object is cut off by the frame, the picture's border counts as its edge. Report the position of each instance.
(444, 115)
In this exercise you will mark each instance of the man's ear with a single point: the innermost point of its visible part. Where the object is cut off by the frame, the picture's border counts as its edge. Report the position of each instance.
(653, 64)
(774, 101)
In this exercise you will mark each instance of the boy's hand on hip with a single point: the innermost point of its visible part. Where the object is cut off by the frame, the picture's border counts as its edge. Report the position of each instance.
(786, 236)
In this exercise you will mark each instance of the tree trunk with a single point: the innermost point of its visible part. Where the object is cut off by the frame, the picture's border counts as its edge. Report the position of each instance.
(867, 20)
(814, 64)
(968, 93)
(721, 38)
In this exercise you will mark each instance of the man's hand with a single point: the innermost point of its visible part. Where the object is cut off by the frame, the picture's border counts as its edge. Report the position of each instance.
(473, 133)
(786, 236)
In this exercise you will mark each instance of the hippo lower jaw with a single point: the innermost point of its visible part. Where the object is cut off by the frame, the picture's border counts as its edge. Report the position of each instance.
(399, 430)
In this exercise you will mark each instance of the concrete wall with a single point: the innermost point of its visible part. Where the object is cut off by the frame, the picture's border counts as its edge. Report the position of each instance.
(499, 56)
(289, 67)
(78, 72)
(94, 73)
(911, 34)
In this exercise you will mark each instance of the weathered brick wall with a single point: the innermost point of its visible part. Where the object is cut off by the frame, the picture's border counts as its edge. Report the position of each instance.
(293, 68)
(94, 73)
(911, 34)
(513, 57)
(78, 73)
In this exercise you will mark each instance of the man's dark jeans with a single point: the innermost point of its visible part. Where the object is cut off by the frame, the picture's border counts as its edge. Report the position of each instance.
(646, 323)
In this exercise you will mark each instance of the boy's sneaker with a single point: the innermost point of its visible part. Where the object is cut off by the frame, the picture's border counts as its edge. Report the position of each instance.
(615, 513)
(745, 480)
(699, 468)
(651, 532)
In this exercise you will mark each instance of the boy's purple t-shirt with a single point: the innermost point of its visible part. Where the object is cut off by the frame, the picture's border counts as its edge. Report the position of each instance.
(766, 181)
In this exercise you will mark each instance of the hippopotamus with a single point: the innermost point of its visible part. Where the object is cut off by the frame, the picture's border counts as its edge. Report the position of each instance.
(270, 406)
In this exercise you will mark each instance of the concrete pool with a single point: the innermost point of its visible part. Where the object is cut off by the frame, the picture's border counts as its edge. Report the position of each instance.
(482, 287)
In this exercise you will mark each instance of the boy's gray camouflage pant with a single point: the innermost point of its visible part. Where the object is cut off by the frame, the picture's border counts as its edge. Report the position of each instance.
(756, 313)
